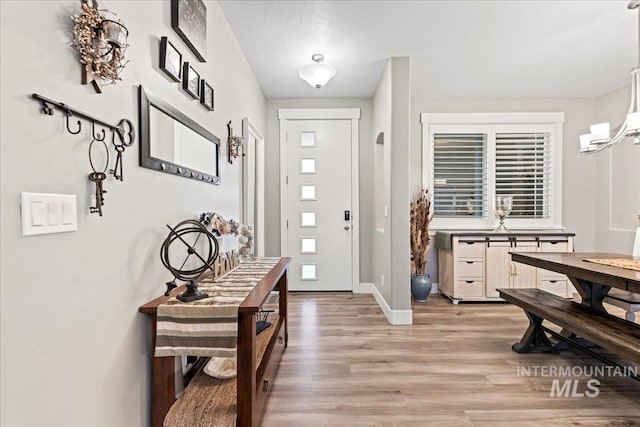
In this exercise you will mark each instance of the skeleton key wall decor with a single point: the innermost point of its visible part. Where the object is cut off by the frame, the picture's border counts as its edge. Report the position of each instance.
(97, 178)
(125, 134)
(117, 170)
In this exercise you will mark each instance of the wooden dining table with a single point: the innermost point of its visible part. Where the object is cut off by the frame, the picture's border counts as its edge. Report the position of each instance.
(592, 280)
(585, 325)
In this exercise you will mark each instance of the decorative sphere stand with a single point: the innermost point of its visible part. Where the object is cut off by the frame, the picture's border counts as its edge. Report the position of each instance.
(179, 233)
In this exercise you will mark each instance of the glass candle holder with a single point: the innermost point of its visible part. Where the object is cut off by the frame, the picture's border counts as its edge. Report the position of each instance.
(502, 206)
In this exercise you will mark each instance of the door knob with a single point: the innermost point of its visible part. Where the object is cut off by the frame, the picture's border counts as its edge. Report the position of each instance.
(346, 227)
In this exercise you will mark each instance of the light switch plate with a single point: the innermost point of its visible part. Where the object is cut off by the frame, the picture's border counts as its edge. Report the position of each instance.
(48, 213)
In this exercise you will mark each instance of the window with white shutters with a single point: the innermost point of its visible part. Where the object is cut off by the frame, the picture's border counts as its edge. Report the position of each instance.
(460, 175)
(470, 161)
(523, 171)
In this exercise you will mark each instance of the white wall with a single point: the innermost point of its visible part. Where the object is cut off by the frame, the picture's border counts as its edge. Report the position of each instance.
(617, 185)
(579, 170)
(382, 123)
(75, 351)
(272, 172)
(391, 104)
(400, 190)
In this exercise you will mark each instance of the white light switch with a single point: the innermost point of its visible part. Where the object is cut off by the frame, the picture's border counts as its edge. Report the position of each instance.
(53, 213)
(48, 213)
(37, 214)
(68, 213)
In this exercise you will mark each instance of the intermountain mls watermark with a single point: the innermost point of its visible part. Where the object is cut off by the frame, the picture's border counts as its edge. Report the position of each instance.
(576, 381)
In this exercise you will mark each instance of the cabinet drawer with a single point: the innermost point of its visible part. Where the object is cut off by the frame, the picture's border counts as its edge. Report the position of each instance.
(470, 288)
(557, 287)
(554, 246)
(470, 268)
(470, 249)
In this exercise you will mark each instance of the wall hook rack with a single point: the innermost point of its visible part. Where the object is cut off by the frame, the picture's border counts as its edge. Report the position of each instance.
(124, 129)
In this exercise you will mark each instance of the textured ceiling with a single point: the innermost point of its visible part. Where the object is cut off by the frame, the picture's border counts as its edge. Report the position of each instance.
(459, 49)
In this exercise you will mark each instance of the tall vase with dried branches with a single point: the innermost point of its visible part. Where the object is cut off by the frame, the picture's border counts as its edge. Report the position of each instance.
(421, 216)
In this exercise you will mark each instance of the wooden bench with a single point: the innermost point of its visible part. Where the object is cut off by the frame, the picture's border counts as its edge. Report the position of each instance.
(628, 301)
(612, 333)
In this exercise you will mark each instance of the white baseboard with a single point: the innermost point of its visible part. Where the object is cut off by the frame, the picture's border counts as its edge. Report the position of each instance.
(434, 288)
(394, 317)
(365, 288)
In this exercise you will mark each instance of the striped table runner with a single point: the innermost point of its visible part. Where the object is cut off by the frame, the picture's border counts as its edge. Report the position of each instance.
(209, 327)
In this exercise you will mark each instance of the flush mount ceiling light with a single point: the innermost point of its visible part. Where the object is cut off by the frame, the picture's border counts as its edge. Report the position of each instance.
(318, 74)
(600, 137)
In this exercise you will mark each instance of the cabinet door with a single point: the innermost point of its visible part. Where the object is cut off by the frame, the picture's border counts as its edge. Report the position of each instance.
(497, 268)
(524, 276)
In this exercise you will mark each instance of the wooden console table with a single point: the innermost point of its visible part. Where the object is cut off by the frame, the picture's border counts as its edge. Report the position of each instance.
(251, 399)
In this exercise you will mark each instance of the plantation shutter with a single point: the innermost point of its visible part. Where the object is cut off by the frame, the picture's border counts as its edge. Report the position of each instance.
(460, 175)
(523, 171)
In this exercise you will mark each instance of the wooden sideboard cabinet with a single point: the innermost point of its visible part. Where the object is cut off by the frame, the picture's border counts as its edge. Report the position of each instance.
(473, 264)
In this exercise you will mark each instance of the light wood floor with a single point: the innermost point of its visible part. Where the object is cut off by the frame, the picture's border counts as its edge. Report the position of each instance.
(346, 366)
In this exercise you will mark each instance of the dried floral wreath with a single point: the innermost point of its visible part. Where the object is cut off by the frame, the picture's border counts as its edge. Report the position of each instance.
(100, 52)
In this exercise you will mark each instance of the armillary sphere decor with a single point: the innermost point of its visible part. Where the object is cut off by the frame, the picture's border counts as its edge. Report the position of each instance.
(200, 249)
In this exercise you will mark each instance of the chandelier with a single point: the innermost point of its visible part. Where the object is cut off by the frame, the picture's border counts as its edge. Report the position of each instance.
(600, 136)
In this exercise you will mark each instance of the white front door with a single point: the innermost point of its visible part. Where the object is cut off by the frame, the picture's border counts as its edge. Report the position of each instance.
(317, 204)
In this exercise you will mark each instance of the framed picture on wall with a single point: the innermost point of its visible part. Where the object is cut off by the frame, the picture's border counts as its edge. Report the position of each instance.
(170, 59)
(189, 20)
(206, 95)
(190, 81)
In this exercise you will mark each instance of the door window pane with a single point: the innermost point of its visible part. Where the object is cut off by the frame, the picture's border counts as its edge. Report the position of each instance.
(307, 219)
(308, 271)
(307, 192)
(307, 139)
(308, 245)
(308, 166)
